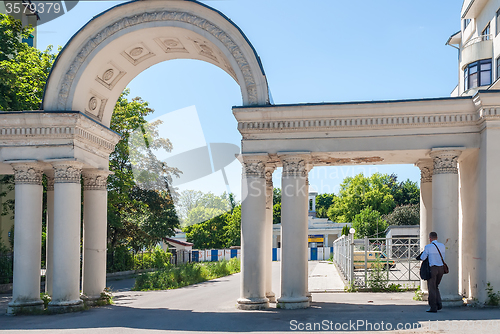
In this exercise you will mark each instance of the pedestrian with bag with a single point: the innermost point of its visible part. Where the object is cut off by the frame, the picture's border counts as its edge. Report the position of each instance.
(434, 252)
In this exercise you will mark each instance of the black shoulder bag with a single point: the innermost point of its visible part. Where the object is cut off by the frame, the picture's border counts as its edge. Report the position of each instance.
(446, 270)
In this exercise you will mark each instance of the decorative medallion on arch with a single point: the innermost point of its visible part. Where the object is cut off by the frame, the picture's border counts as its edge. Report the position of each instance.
(119, 44)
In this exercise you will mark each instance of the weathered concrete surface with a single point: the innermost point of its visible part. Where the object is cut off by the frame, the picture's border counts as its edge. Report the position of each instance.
(211, 308)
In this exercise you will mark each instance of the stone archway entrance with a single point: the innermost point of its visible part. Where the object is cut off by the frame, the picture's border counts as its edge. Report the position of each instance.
(453, 141)
(69, 139)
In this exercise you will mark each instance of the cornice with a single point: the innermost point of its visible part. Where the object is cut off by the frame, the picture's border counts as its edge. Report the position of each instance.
(30, 129)
(354, 123)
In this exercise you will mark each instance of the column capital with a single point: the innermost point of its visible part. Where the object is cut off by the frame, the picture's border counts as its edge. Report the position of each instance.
(67, 171)
(254, 165)
(295, 164)
(426, 167)
(95, 179)
(27, 173)
(445, 160)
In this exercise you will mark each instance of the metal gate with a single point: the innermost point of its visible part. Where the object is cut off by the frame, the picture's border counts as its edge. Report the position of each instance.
(392, 259)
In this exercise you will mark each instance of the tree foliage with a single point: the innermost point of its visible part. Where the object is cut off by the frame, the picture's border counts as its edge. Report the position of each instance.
(367, 223)
(23, 69)
(140, 206)
(404, 193)
(323, 203)
(358, 193)
(196, 207)
(222, 231)
(277, 213)
(404, 215)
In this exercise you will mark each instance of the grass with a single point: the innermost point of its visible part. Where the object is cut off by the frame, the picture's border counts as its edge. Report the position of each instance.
(187, 274)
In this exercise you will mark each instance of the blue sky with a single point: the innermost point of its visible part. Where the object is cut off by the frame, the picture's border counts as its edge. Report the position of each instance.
(312, 51)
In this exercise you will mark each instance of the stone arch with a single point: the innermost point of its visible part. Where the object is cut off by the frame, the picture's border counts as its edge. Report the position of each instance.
(113, 48)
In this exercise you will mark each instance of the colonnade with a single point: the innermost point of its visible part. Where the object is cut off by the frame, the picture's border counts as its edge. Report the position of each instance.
(256, 232)
(439, 211)
(63, 234)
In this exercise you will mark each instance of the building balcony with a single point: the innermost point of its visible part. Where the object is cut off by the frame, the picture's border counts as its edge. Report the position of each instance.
(476, 48)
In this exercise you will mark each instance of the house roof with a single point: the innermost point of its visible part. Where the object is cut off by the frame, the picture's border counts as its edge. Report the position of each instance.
(178, 242)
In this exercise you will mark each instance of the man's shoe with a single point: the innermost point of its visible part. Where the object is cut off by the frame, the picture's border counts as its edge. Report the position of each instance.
(440, 306)
(431, 311)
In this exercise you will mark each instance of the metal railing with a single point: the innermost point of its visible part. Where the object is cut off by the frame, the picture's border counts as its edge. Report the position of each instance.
(394, 258)
(342, 255)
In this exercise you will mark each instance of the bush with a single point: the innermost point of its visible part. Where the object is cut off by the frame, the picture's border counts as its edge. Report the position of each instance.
(377, 281)
(156, 259)
(186, 274)
(493, 297)
(121, 259)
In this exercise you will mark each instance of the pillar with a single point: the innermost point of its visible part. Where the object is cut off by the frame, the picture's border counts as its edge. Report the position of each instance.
(67, 219)
(294, 196)
(49, 240)
(27, 238)
(308, 294)
(269, 233)
(445, 217)
(95, 207)
(426, 169)
(253, 234)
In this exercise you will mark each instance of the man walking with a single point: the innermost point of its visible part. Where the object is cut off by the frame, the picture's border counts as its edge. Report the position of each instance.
(432, 251)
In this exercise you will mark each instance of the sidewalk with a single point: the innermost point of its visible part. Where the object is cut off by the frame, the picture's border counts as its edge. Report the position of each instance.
(324, 277)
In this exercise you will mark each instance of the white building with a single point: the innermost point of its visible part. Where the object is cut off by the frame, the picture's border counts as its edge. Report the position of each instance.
(321, 232)
(478, 43)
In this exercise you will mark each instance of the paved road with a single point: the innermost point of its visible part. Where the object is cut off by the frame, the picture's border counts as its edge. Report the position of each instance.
(210, 308)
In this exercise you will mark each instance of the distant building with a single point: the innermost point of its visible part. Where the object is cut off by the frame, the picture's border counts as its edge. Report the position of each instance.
(322, 232)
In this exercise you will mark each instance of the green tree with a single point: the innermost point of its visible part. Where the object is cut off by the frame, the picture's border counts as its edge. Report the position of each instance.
(210, 234)
(404, 215)
(323, 203)
(276, 195)
(360, 192)
(23, 69)
(233, 228)
(140, 206)
(196, 207)
(277, 213)
(404, 193)
(367, 223)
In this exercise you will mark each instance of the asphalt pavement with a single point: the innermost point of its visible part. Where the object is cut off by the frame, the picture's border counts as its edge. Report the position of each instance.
(210, 307)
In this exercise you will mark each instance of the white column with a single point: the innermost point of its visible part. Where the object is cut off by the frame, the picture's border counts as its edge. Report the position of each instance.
(426, 168)
(253, 235)
(49, 240)
(308, 294)
(95, 207)
(27, 238)
(269, 233)
(294, 233)
(67, 219)
(445, 217)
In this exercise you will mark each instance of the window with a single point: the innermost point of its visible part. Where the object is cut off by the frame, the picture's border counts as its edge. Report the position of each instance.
(498, 67)
(486, 33)
(467, 21)
(498, 22)
(477, 74)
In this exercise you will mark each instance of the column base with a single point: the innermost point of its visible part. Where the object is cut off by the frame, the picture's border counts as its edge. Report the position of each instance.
(309, 296)
(452, 301)
(253, 303)
(66, 306)
(31, 307)
(292, 303)
(101, 300)
(271, 296)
